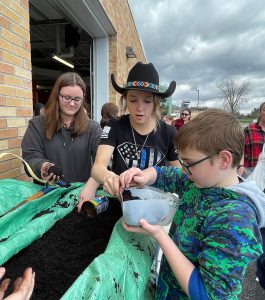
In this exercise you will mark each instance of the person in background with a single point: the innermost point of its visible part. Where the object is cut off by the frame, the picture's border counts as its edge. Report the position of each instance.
(185, 116)
(139, 138)
(23, 286)
(38, 109)
(64, 136)
(254, 140)
(166, 119)
(108, 111)
(214, 235)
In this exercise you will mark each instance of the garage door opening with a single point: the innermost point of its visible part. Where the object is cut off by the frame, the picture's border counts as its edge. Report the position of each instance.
(53, 34)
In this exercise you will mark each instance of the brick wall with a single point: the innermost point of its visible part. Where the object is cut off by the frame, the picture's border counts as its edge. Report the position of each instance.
(15, 71)
(15, 83)
(121, 18)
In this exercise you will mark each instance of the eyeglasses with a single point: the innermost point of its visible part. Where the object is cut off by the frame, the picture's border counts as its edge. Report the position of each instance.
(68, 99)
(183, 114)
(186, 168)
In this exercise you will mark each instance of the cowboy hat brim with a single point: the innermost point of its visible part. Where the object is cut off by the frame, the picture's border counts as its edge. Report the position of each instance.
(170, 90)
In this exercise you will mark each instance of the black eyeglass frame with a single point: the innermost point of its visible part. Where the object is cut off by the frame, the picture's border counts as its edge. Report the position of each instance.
(77, 100)
(186, 167)
(183, 114)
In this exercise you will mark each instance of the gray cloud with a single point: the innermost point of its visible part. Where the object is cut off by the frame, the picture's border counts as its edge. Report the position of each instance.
(198, 43)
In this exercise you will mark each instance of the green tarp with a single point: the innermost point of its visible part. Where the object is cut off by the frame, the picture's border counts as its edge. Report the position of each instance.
(121, 272)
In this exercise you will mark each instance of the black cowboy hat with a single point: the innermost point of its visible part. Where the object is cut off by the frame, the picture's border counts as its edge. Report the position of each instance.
(143, 77)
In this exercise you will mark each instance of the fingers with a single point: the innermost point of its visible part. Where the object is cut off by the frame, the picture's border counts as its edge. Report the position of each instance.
(136, 229)
(115, 185)
(79, 205)
(3, 287)
(23, 286)
(112, 185)
(127, 177)
(4, 284)
(17, 284)
(31, 276)
(155, 231)
(44, 169)
(2, 272)
(51, 177)
(128, 227)
(144, 223)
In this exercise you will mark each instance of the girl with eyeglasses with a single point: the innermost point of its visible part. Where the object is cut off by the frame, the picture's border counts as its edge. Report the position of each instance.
(185, 116)
(64, 136)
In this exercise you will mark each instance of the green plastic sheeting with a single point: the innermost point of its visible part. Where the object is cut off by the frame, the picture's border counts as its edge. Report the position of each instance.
(121, 272)
(29, 222)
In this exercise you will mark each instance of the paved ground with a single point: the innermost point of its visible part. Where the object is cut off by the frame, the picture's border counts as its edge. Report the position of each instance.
(251, 288)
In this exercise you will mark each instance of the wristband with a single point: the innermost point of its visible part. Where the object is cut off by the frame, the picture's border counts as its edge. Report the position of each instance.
(240, 166)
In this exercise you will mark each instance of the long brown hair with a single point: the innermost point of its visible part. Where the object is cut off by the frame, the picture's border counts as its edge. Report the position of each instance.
(109, 110)
(52, 120)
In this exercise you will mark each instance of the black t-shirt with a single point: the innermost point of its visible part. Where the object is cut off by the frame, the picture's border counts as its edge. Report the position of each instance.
(153, 150)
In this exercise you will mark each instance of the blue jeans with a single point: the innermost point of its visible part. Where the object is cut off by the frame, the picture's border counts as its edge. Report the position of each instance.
(261, 261)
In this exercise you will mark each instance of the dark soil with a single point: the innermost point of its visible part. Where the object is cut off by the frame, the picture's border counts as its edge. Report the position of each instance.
(127, 196)
(64, 252)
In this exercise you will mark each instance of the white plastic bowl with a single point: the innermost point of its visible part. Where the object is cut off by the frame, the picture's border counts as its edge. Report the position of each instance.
(154, 205)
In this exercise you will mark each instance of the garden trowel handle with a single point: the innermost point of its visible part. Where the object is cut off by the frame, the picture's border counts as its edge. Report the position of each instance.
(33, 197)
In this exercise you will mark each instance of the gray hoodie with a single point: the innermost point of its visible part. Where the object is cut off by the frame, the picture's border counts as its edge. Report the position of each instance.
(74, 154)
(255, 194)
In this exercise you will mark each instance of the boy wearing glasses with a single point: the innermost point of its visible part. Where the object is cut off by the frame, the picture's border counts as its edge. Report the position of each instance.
(214, 235)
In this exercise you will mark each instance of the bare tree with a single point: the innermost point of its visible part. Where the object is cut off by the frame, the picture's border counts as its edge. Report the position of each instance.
(233, 94)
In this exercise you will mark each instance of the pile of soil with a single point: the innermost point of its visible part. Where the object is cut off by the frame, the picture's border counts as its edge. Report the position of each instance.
(64, 252)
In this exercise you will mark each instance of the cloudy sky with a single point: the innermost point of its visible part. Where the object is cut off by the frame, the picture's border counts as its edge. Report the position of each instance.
(200, 43)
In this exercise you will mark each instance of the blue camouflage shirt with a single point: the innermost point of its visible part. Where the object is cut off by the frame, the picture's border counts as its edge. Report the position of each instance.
(216, 229)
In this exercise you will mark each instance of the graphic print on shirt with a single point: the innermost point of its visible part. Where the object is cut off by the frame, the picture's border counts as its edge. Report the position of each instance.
(149, 157)
(105, 132)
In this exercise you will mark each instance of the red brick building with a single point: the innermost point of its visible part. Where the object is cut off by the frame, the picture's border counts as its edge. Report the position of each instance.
(91, 35)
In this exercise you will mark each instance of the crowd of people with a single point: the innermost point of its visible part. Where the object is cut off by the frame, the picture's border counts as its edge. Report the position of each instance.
(215, 233)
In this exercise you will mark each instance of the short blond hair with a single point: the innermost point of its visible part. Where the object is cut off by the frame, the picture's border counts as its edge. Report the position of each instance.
(212, 131)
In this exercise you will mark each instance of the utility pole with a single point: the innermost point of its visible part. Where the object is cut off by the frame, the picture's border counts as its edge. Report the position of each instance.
(198, 91)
